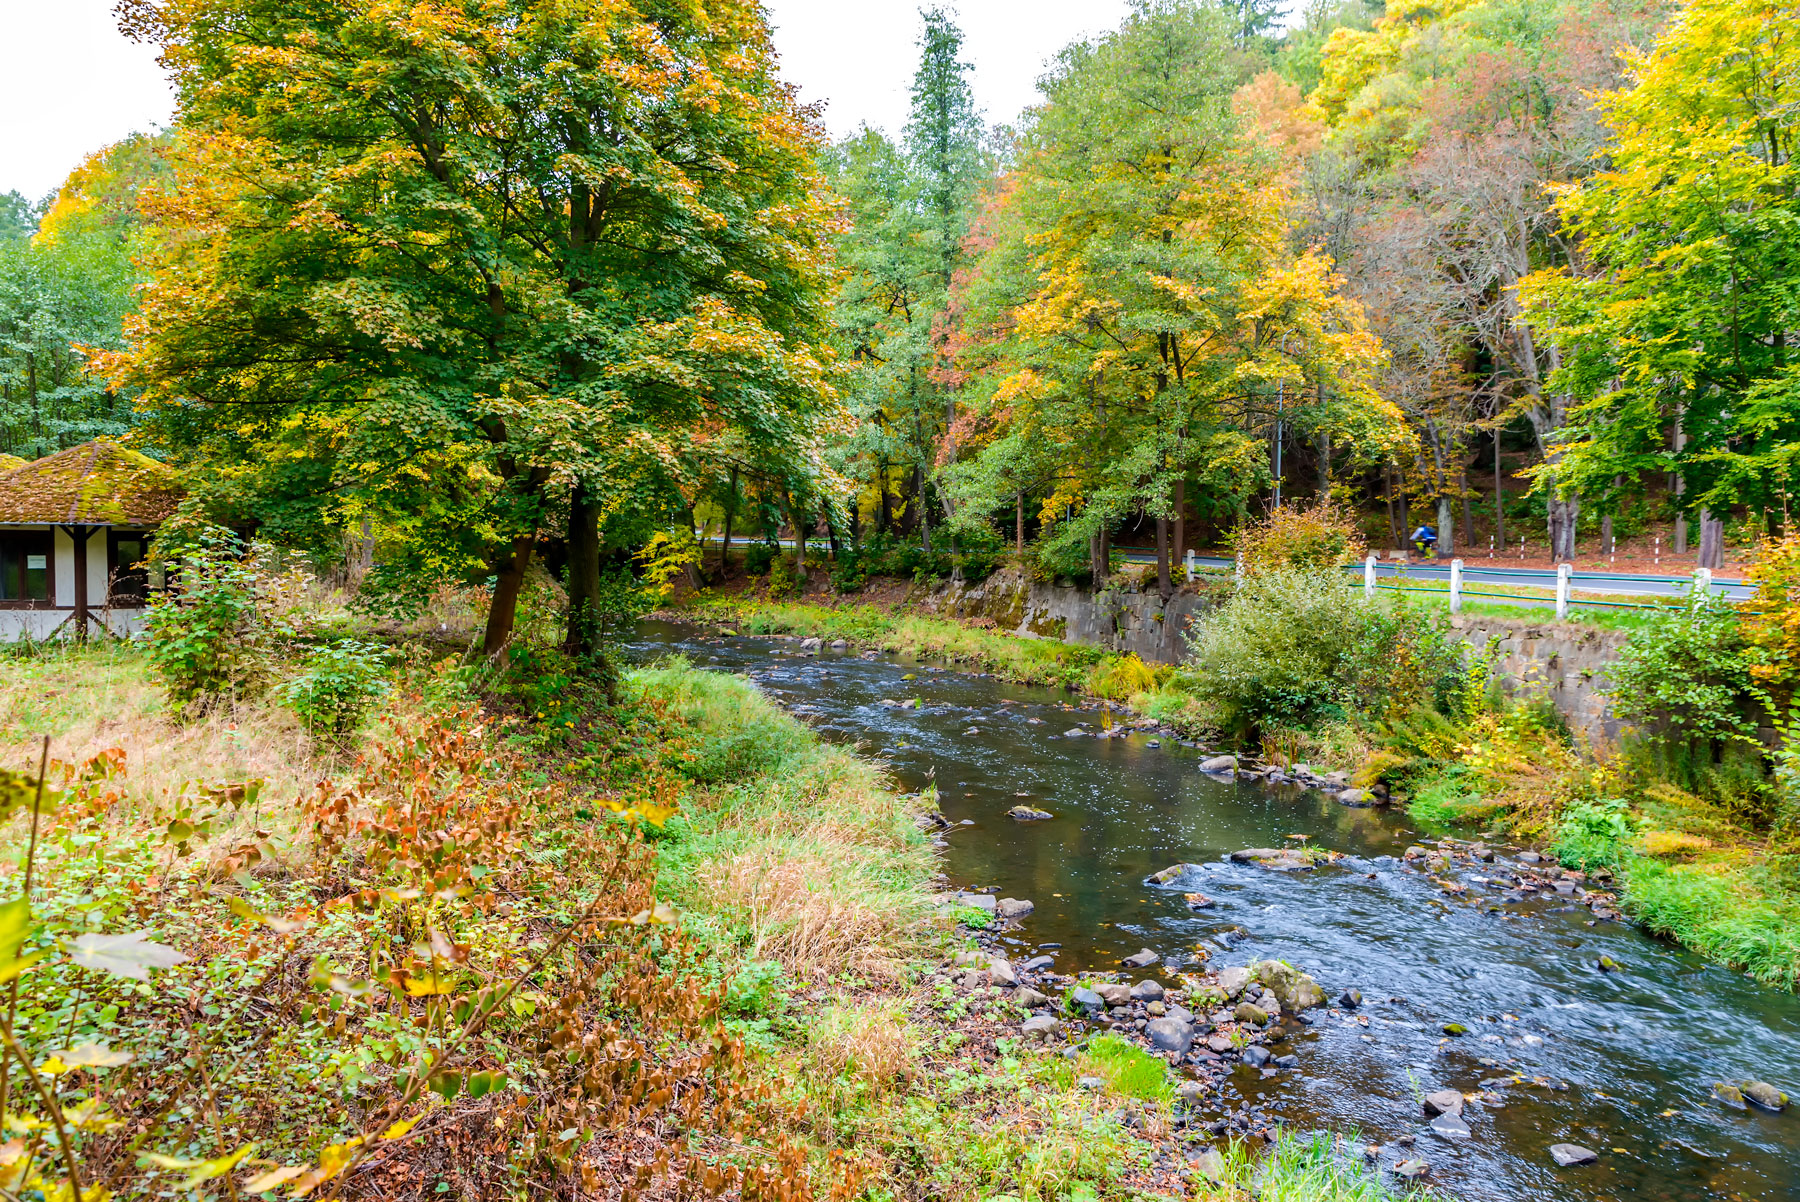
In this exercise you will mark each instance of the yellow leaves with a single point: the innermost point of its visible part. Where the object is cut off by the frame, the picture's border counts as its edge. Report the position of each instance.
(198, 1171)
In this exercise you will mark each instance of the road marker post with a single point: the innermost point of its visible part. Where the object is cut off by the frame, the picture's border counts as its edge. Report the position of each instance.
(1369, 578)
(1562, 591)
(1703, 580)
(1456, 586)
(1190, 565)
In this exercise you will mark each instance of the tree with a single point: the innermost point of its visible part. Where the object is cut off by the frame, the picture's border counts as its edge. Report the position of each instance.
(454, 266)
(1688, 306)
(1138, 321)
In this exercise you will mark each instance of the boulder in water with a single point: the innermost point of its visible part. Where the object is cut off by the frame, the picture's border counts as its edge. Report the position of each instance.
(1140, 959)
(1027, 814)
(1176, 876)
(1169, 1035)
(1356, 797)
(1040, 1026)
(1196, 901)
(1219, 763)
(1572, 1154)
(1013, 907)
(1444, 1101)
(1280, 859)
(1450, 1126)
(1729, 1094)
(1295, 989)
(1233, 980)
(1256, 1056)
(1764, 1096)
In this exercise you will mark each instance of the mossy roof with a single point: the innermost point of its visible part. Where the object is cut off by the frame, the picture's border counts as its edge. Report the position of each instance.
(98, 483)
(9, 462)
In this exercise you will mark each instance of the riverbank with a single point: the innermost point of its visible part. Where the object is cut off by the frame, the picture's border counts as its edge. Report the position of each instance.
(1688, 870)
(705, 944)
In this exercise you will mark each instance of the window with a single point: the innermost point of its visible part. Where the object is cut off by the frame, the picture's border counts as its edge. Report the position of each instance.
(130, 579)
(25, 565)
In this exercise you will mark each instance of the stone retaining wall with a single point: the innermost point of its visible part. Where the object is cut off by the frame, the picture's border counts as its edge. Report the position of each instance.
(1566, 659)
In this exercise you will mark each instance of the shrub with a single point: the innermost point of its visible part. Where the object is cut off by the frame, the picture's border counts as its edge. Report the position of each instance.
(1688, 676)
(781, 577)
(1323, 536)
(1118, 679)
(207, 641)
(1595, 834)
(758, 556)
(339, 685)
(1274, 653)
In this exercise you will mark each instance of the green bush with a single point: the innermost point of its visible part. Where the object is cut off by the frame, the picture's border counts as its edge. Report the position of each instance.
(207, 640)
(1595, 834)
(758, 557)
(1687, 678)
(339, 685)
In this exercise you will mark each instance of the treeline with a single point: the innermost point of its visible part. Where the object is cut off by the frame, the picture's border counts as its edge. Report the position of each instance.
(553, 285)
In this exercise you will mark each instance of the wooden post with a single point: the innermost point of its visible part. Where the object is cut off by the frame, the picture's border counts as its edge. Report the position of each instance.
(1456, 586)
(1562, 591)
(1369, 577)
(80, 536)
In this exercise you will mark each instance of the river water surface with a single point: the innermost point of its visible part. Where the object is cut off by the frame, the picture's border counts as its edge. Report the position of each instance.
(1620, 1062)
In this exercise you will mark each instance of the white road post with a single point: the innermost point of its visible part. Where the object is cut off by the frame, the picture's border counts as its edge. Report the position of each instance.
(1369, 578)
(1239, 575)
(1562, 591)
(1190, 565)
(1703, 580)
(1456, 586)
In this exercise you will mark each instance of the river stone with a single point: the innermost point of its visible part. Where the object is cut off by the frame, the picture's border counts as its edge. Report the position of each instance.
(1195, 901)
(1086, 1001)
(1356, 797)
(1411, 1169)
(1037, 963)
(1168, 1035)
(811, 644)
(1013, 907)
(1155, 1009)
(1092, 1083)
(1288, 1061)
(839, 645)
(1296, 990)
(1140, 959)
(1450, 1127)
(1729, 1094)
(1190, 1091)
(1247, 1013)
(1147, 991)
(1350, 999)
(1233, 980)
(1029, 998)
(981, 901)
(1765, 1096)
(1256, 1056)
(1219, 763)
(1028, 814)
(1219, 1043)
(1444, 1101)
(1001, 973)
(1280, 859)
(1176, 876)
(1569, 1154)
(1040, 1026)
(1114, 993)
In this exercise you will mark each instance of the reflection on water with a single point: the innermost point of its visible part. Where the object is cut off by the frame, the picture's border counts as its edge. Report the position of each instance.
(1603, 1055)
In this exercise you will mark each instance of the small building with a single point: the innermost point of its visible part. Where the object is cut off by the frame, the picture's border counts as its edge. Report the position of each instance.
(75, 531)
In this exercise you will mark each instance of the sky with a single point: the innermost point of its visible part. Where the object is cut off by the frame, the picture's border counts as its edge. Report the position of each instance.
(70, 83)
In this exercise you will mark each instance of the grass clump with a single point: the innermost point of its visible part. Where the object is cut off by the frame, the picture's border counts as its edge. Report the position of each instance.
(1127, 1069)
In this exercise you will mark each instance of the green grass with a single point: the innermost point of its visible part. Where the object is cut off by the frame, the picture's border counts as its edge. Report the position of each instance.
(1729, 917)
(1448, 802)
(1127, 1069)
(1317, 1167)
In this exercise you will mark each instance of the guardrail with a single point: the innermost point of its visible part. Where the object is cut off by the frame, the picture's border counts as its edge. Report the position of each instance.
(1564, 600)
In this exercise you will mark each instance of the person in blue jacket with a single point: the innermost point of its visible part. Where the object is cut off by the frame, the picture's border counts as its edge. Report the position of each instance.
(1425, 539)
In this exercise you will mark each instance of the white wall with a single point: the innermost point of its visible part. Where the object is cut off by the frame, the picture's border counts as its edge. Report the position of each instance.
(96, 565)
(41, 623)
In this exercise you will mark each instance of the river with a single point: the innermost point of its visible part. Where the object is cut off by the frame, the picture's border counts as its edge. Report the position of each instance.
(1620, 1062)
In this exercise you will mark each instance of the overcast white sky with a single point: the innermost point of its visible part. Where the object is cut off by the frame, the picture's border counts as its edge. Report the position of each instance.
(70, 83)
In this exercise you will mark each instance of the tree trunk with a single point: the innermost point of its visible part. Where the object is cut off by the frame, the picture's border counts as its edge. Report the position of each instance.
(1561, 527)
(1164, 586)
(1387, 491)
(730, 512)
(884, 514)
(1446, 528)
(1019, 524)
(1712, 541)
(509, 580)
(831, 533)
(1681, 523)
(799, 521)
(582, 638)
(924, 509)
(1468, 506)
(1324, 464)
(1180, 540)
(1499, 496)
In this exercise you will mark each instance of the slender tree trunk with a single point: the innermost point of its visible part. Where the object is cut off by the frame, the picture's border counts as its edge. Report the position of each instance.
(1712, 541)
(1324, 464)
(582, 638)
(800, 532)
(1446, 528)
(884, 513)
(1561, 522)
(1468, 506)
(1606, 519)
(1164, 586)
(1019, 524)
(509, 580)
(1387, 490)
(1180, 547)
(831, 533)
(1681, 522)
(730, 512)
(1499, 496)
(924, 509)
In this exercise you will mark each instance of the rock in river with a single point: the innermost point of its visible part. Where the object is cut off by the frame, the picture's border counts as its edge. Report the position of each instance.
(1140, 959)
(1729, 1094)
(1450, 1127)
(1219, 763)
(1444, 1101)
(1086, 1001)
(1040, 1026)
(1114, 993)
(1281, 859)
(1013, 907)
(1356, 797)
(1765, 1096)
(1568, 1154)
(1177, 876)
(1028, 814)
(1169, 1035)
(1247, 1012)
(1001, 973)
(1350, 999)
(1029, 998)
(1147, 991)
(1256, 1055)
(1233, 980)
(1197, 901)
(1296, 990)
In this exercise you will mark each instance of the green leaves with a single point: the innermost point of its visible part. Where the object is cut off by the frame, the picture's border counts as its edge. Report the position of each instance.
(15, 925)
(19, 791)
(130, 956)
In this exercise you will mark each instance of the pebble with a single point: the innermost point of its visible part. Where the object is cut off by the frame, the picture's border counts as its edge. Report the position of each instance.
(1001, 973)
(1038, 963)
(1450, 1127)
(1013, 907)
(1140, 959)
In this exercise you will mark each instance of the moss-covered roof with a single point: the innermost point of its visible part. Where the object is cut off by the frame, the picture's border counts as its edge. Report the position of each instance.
(98, 483)
(9, 462)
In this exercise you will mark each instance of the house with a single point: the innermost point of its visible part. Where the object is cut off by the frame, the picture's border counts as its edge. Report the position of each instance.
(75, 529)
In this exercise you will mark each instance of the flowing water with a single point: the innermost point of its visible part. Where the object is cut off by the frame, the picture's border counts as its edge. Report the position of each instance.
(1619, 1062)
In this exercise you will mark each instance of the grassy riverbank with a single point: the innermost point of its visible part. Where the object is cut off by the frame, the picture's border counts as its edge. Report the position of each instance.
(1691, 867)
(695, 931)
